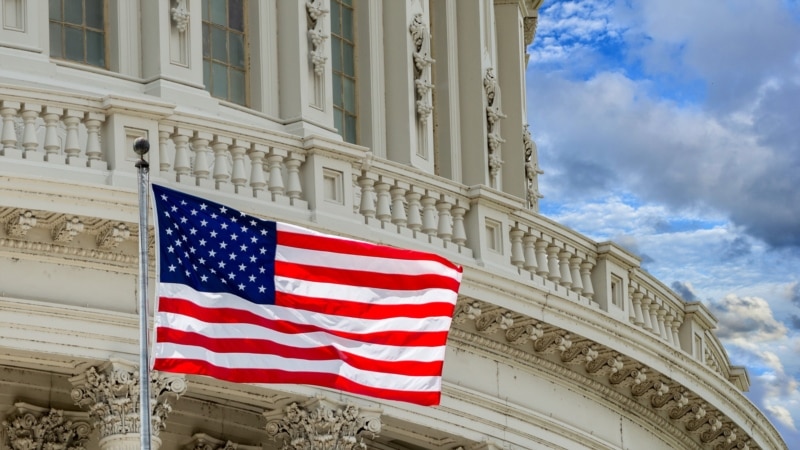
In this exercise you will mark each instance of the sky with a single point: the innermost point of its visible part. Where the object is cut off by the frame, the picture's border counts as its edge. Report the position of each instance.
(673, 128)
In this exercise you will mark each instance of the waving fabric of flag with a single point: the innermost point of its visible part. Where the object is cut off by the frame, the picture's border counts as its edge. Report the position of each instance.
(248, 300)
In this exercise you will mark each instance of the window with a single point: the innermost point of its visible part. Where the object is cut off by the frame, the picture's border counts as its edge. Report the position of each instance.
(225, 49)
(77, 31)
(344, 68)
(616, 291)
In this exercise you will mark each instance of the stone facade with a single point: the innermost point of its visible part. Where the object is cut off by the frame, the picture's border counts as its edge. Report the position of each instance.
(557, 341)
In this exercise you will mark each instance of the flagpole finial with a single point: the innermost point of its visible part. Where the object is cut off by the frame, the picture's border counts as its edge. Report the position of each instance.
(141, 146)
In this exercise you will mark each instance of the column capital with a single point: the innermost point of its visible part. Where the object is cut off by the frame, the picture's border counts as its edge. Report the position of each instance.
(33, 427)
(323, 424)
(110, 393)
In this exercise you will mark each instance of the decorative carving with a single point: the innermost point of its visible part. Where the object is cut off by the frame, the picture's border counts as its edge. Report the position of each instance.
(707, 422)
(649, 387)
(466, 311)
(520, 334)
(315, 11)
(493, 115)
(604, 366)
(530, 24)
(489, 323)
(664, 397)
(67, 229)
(532, 170)
(20, 225)
(551, 342)
(627, 377)
(570, 355)
(202, 441)
(29, 427)
(111, 237)
(421, 37)
(111, 395)
(712, 435)
(687, 412)
(321, 424)
(180, 15)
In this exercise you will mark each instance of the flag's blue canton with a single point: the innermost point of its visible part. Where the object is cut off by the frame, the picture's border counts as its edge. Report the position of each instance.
(213, 248)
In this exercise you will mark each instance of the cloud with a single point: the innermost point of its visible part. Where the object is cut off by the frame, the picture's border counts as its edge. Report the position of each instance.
(746, 318)
(685, 290)
(793, 291)
(782, 415)
(603, 101)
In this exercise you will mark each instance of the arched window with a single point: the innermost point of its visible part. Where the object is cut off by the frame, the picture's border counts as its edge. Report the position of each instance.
(78, 31)
(225, 50)
(344, 68)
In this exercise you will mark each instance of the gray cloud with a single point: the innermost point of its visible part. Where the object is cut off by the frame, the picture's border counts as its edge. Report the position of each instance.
(736, 248)
(794, 321)
(748, 318)
(684, 289)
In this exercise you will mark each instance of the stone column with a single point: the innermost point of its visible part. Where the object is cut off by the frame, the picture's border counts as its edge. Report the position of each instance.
(31, 427)
(110, 393)
(322, 424)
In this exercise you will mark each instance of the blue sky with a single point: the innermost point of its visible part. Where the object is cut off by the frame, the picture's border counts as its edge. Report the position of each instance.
(673, 128)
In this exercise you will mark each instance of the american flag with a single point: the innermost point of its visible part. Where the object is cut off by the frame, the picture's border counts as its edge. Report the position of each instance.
(249, 300)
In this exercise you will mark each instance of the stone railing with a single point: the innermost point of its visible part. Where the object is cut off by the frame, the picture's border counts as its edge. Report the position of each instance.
(306, 179)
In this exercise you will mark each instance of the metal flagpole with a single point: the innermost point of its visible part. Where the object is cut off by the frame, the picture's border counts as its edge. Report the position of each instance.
(141, 146)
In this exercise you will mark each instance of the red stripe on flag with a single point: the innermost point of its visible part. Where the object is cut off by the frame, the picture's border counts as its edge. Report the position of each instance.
(363, 310)
(345, 246)
(328, 352)
(230, 315)
(197, 367)
(363, 278)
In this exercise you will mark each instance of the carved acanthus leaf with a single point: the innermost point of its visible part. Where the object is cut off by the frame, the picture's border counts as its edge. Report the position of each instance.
(29, 427)
(180, 15)
(111, 392)
(321, 424)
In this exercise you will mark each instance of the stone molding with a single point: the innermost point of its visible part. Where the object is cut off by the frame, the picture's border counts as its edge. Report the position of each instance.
(323, 424)
(110, 393)
(29, 427)
(202, 441)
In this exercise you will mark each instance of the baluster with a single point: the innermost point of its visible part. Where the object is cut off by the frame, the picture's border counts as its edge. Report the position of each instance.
(541, 257)
(275, 165)
(52, 144)
(575, 272)
(668, 327)
(30, 142)
(445, 229)
(459, 232)
(529, 251)
(654, 317)
(566, 276)
(554, 271)
(294, 188)
(383, 209)
(257, 180)
(163, 157)
(662, 326)
(586, 278)
(200, 149)
(220, 147)
(398, 193)
(413, 196)
(72, 147)
(183, 165)
(647, 322)
(429, 225)
(676, 325)
(94, 151)
(238, 148)
(9, 140)
(636, 299)
(367, 208)
(517, 256)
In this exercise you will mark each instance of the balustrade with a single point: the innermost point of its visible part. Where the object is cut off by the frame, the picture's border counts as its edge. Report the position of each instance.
(256, 164)
(57, 134)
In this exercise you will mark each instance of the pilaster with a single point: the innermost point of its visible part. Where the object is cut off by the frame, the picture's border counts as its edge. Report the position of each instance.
(111, 392)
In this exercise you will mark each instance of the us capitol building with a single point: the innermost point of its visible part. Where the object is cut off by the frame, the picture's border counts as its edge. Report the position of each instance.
(398, 122)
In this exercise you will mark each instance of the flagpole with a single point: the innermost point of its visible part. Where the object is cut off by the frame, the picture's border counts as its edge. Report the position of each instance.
(141, 146)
